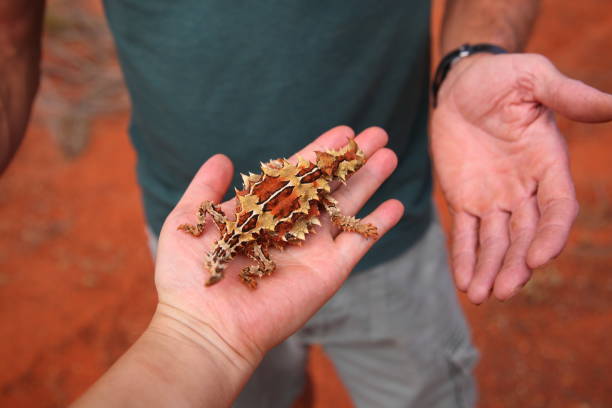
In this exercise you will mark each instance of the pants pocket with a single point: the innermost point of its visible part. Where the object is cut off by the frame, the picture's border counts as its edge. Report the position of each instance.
(461, 362)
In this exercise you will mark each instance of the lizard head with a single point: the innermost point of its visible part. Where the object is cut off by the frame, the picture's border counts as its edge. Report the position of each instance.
(342, 163)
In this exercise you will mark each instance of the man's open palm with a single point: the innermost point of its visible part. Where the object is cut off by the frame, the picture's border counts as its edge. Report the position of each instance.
(503, 166)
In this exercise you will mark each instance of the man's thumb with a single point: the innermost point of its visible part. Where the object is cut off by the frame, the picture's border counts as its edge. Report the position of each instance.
(571, 98)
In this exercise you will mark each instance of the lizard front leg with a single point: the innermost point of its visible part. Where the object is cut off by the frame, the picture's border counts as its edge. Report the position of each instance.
(263, 268)
(345, 222)
(215, 212)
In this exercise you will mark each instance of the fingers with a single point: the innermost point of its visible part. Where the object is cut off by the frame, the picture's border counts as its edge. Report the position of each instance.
(332, 139)
(570, 97)
(352, 247)
(494, 241)
(210, 182)
(537, 232)
(364, 183)
(515, 272)
(369, 141)
(558, 209)
(465, 243)
(506, 257)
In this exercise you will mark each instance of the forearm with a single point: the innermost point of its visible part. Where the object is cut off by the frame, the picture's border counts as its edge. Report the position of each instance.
(20, 49)
(171, 365)
(506, 23)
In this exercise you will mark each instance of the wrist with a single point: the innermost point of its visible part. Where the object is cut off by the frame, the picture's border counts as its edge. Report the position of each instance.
(198, 339)
(191, 360)
(452, 64)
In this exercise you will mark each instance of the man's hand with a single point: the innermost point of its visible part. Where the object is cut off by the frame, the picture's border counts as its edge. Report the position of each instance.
(503, 166)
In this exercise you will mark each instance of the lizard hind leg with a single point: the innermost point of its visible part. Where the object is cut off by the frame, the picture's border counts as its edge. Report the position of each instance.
(216, 269)
(215, 212)
(348, 223)
(264, 267)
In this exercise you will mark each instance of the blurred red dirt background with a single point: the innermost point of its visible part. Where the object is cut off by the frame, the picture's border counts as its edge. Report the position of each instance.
(76, 277)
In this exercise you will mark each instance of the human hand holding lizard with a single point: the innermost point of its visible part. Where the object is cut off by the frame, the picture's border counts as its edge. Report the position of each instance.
(206, 341)
(306, 276)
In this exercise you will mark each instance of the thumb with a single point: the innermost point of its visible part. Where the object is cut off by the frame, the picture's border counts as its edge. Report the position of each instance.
(571, 98)
(210, 182)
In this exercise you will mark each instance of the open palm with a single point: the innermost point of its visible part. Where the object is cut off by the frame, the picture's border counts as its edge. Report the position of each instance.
(503, 166)
(252, 321)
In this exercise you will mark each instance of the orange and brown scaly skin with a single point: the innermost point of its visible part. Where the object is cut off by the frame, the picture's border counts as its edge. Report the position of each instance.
(277, 208)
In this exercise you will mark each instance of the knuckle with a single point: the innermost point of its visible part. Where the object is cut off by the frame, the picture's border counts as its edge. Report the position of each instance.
(540, 60)
(494, 242)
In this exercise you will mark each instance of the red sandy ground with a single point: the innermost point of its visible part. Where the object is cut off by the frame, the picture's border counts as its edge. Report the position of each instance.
(76, 280)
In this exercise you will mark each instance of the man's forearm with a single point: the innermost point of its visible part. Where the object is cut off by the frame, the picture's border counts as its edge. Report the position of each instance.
(506, 23)
(20, 48)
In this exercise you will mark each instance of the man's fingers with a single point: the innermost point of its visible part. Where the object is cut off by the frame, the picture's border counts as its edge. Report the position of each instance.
(352, 246)
(515, 272)
(494, 241)
(464, 245)
(209, 183)
(558, 208)
(553, 230)
(570, 97)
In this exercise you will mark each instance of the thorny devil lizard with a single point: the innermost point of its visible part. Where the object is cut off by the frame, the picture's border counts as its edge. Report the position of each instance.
(278, 208)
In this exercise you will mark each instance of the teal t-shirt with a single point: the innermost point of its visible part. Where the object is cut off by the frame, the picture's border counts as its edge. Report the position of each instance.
(259, 80)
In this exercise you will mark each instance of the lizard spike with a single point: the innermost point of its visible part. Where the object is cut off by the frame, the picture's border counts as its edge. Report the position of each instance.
(245, 179)
(302, 162)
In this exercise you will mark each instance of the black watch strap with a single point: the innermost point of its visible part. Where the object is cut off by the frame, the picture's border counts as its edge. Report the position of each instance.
(449, 59)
